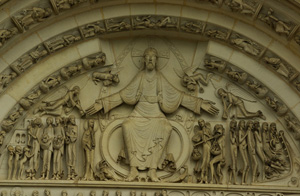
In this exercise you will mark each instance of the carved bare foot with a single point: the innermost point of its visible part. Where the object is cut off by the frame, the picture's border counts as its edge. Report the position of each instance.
(132, 175)
(152, 175)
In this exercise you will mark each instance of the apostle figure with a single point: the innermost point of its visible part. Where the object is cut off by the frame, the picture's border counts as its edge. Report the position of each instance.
(71, 138)
(88, 144)
(146, 131)
(47, 146)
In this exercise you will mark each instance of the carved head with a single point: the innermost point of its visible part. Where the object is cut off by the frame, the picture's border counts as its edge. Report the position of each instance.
(58, 120)
(132, 193)
(64, 193)
(10, 148)
(91, 123)
(233, 125)
(49, 121)
(249, 124)
(105, 193)
(150, 58)
(93, 193)
(4, 193)
(38, 122)
(265, 126)
(72, 119)
(47, 192)
(35, 193)
(76, 89)
(241, 124)
(221, 92)
(201, 123)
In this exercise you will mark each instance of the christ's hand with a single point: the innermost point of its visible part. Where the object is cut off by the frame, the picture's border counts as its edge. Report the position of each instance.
(208, 107)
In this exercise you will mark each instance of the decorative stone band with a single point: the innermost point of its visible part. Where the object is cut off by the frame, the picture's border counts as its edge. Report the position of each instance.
(137, 24)
(171, 189)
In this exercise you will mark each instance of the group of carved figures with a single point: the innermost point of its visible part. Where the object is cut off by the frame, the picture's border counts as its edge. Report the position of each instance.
(47, 192)
(249, 143)
(52, 140)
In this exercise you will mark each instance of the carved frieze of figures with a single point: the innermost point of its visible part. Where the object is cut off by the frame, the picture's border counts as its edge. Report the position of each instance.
(117, 25)
(93, 29)
(218, 34)
(191, 26)
(279, 26)
(6, 34)
(9, 122)
(276, 105)
(242, 6)
(281, 67)
(107, 78)
(29, 59)
(5, 79)
(246, 45)
(68, 72)
(259, 90)
(30, 99)
(67, 103)
(215, 65)
(59, 5)
(31, 16)
(237, 76)
(61, 42)
(97, 60)
(230, 100)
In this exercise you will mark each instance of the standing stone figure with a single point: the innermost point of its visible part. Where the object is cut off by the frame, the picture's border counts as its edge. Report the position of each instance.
(88, 144)
(218, 150)
(26, 156)
(47, 146)
(234, 151)
(252, 150)
(18, 153)
(34, 133)
(71, 138)
(204, 138)
(58, 147)
(146, 131)
(243, 150)
(11, 152)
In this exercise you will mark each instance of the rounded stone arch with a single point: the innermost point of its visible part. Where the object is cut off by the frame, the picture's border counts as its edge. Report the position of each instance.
(210, 15)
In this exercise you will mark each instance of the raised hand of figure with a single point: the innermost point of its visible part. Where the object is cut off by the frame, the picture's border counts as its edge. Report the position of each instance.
(97, 106)
(209, 107)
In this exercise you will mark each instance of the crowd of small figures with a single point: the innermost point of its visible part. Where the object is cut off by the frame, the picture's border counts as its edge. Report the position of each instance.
(47, 192)
(250, 142)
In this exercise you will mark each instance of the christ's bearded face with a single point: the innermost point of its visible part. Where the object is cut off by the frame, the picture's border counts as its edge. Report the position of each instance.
(150, 60)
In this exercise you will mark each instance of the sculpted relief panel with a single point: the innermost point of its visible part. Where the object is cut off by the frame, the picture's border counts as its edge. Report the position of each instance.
(154, 116)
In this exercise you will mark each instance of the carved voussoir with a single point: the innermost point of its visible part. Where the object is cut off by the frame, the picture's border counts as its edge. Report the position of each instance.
(28, 17)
